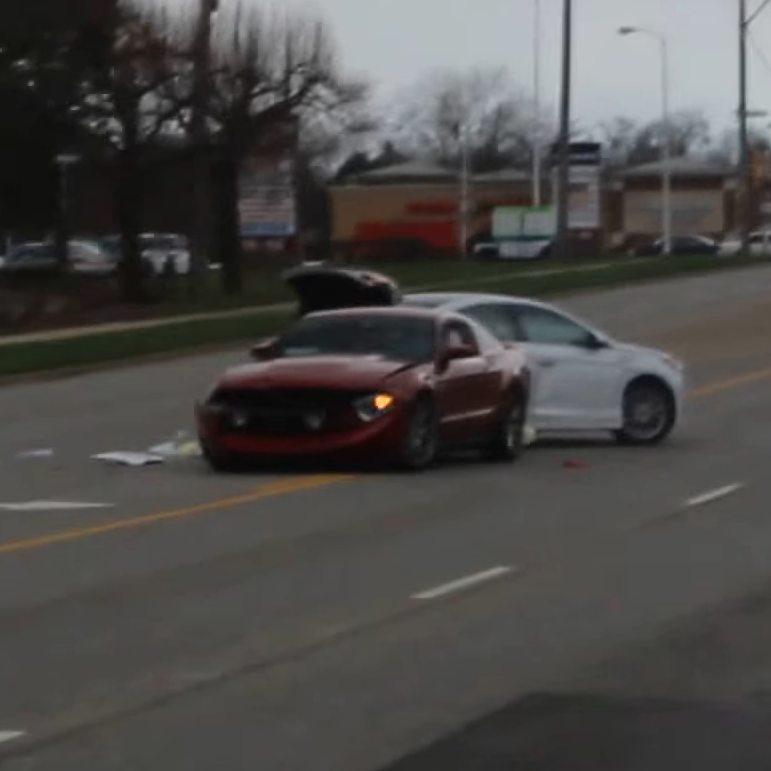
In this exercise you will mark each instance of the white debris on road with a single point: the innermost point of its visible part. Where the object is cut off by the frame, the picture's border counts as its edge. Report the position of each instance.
(129, 458)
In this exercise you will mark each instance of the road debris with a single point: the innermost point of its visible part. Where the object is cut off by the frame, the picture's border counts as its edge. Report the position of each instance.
(53, 506)
(129, 458)
(572, 463)
(29, 454)
(181, 446)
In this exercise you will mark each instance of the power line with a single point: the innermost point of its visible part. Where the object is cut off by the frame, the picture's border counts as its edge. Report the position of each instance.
(757, 12)
(759, 51)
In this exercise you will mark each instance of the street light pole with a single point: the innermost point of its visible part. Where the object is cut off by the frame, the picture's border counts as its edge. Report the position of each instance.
(563, 173)
(743, 192)
(464, 192)
(666, 135)
(64, 162)
(666, 150)
(537, 102)
(200, 138)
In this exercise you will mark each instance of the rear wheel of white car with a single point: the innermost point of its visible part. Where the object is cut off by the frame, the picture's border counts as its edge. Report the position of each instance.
(508, 440)
(648, 413)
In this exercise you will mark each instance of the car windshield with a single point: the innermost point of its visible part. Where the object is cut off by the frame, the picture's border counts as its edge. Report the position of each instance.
(402, 338)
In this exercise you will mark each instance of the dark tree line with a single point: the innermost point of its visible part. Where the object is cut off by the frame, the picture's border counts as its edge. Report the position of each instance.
(113, 81)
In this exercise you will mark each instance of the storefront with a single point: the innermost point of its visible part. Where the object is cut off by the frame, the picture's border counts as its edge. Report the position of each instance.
(413, 209)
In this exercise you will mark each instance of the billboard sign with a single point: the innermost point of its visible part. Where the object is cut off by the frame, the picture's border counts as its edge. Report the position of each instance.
(267, 205)
(584, 179)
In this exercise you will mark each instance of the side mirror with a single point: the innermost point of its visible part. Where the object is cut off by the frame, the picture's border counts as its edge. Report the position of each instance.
(264, 349)
(595, 343)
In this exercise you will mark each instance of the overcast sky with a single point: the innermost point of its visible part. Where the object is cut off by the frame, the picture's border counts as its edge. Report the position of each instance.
(394, 42)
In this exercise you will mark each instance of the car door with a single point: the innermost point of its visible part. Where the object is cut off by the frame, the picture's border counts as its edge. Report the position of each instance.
(466, 389)
(577, 385)
(574, 387)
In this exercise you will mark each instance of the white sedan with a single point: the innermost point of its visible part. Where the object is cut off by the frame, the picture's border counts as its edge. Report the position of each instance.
(583, 380)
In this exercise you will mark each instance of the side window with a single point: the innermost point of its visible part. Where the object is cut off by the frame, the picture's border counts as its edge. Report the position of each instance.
(456, 333)
(501, 320)
(546, 328)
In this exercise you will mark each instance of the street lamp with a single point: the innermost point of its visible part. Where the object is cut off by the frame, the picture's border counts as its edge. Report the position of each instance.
(537, 103)
(666, 172)
(464, 190)
(563, 144)
(64, 162)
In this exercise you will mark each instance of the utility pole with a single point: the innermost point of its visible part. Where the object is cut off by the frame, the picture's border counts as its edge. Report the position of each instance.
(537, 103)
(666, 149)
(743, 187)
(464, 192)
(563, 178)
(199, 136)
(64, 162)
(666, 134)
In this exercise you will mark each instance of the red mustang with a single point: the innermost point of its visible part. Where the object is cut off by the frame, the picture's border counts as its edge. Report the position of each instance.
(397, 383)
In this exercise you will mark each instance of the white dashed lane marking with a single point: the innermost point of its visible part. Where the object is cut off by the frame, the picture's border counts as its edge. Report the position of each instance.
(464, 583)
(713, 495)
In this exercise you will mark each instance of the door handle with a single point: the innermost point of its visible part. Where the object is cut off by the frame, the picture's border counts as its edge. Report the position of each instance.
(546, 362)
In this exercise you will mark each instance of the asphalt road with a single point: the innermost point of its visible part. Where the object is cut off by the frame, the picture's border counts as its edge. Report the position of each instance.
(590, 607)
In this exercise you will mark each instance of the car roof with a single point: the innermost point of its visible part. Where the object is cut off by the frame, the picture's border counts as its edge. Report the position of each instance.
(449, 300)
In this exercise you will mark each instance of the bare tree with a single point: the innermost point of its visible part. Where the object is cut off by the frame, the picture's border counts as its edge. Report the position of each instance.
(130, 102)
(481, 107)
(630, 143)
(724, 149)
(276, 81)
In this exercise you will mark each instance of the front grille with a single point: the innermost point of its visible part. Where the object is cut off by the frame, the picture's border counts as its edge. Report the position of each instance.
(284, 412)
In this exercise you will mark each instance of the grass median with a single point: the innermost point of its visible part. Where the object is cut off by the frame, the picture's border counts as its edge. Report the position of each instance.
(180, 337)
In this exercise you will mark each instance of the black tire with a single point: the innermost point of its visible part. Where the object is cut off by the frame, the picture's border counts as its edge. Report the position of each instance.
(420, 445)
(648, 413)
(508, 442)
(221, 461)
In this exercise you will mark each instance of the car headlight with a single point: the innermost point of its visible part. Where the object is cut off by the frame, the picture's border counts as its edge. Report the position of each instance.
(371, 407)
(673, 362)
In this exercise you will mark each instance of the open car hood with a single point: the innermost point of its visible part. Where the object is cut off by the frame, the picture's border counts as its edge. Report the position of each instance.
(320, 288)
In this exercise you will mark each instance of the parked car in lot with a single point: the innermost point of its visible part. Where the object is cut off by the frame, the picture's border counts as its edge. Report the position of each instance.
(683, 245)
(535, 249)
(162, 251)
(397, 384)
(759, 243)
(85, 257)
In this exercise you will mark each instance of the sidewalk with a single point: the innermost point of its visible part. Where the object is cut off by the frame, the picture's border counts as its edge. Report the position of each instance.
(112, 327)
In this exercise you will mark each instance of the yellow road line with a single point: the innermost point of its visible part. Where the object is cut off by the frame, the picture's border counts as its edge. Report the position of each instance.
(269, 490)
(281, 487)
(746, 378)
